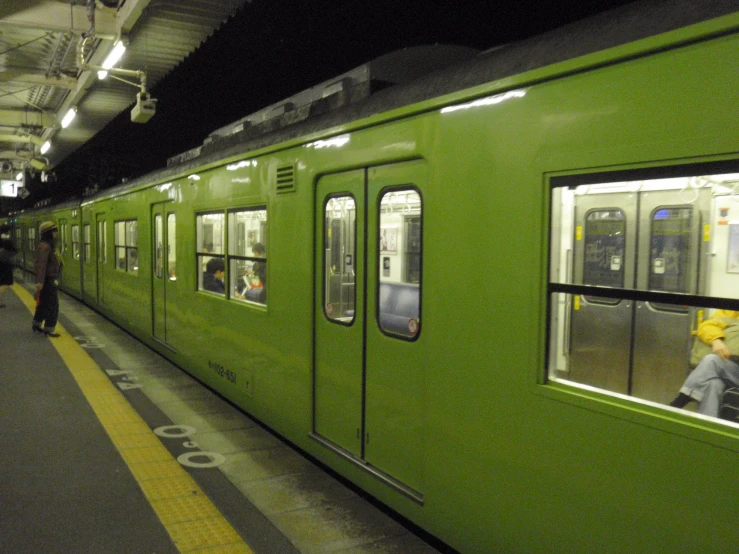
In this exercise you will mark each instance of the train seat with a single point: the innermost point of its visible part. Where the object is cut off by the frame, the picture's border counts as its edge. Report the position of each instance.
(730, 404)
(398, 304)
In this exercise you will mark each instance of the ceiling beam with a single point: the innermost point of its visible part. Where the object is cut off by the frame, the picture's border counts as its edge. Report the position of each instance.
(130, 14)
(58, 16)
(61, 81)
(38, 141)
(19, 118)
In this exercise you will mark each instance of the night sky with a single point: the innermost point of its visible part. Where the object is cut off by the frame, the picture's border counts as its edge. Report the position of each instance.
(272, 49)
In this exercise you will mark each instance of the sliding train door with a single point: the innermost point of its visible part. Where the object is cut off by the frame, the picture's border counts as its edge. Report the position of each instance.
(368, 375)
(163, 252)
(671, 245)
(101, 225)
(339, 310)
(604, 255)
(648, 240)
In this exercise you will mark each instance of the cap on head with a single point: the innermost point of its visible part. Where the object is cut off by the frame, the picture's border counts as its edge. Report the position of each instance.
(47, 226)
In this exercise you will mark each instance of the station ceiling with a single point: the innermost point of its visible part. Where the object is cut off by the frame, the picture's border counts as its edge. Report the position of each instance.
(48, 52)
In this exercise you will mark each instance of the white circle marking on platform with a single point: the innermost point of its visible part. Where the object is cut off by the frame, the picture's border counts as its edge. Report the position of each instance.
(174, 431)
(216, 459)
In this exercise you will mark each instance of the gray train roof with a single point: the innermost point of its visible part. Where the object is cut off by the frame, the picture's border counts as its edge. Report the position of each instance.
(606, 30)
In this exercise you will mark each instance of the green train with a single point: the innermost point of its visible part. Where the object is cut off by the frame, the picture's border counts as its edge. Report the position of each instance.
(472, 295)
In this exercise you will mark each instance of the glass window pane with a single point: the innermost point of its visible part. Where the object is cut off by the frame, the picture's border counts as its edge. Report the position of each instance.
(210, 233)
(669, 264)
(132, 235)
(120, 233)
(158, 247)
(340, 230)
(87, 241)
(171, 250)
(399, 246)
(246, 228)
(605, 238)
(120, 258)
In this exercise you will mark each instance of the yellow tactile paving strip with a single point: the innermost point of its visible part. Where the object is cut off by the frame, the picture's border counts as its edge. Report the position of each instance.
(192, 521)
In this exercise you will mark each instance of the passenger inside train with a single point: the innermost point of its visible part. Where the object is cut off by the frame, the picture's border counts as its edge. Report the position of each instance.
(213, 276)
(659, 253)
(717, 370)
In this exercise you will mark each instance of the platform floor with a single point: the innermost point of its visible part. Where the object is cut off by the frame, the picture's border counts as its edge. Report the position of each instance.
(108, 447)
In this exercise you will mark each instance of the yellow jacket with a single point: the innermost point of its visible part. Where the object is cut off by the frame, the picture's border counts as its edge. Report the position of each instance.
(713, 328)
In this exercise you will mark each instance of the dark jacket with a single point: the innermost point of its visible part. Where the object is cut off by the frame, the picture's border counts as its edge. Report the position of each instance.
(212, 284)
(47, 262)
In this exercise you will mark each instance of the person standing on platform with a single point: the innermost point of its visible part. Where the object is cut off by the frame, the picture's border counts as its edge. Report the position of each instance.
(7, 251)
(48, 271)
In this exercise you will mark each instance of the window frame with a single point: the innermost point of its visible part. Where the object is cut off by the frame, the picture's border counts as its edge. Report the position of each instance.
(127, 248)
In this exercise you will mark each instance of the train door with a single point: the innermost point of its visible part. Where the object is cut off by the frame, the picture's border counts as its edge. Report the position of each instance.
(670, 252)
(649, 240)
(368, 372)
(339, 311)
(604, 255)
(89, 275)
(101, 226)
(163, 226)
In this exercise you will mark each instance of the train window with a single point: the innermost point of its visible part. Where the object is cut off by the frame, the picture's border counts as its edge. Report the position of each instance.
(62, 237)
(339, 277)
(126, 246)
(633, 266)
(19, 239)
(247, 254)
(399, 246)
(76, 242)
(102, 242)
(210, 252)
(31, 239)
(158, 247)
(87, 242)
(171, 250)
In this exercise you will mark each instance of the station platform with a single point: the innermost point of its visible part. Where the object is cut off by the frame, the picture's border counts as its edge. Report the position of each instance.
(108, 448)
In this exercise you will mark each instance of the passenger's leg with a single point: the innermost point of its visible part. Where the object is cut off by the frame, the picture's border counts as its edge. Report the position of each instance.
(52, 314)
(706, 371)
(711, 403)
(42, 308)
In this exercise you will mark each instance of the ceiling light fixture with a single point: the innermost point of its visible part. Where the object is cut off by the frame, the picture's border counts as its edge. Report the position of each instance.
(19, 177)
(115, 55)
(68, 117)
(45, 147)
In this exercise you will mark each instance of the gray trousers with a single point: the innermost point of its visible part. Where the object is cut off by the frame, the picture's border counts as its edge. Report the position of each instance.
(708, 381)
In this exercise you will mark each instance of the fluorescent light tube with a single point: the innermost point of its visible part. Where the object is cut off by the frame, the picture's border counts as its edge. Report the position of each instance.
(115, 55)
(69, 117)
(45, 147)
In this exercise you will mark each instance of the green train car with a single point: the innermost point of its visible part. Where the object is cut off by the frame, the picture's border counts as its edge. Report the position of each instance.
(471, 295)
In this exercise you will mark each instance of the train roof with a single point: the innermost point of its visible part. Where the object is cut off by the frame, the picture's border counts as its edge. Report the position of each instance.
(606, 30)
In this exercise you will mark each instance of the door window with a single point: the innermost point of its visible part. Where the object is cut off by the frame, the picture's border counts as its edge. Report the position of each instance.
(158, 247)
(399, 246)
(171, 250)
(340, 246)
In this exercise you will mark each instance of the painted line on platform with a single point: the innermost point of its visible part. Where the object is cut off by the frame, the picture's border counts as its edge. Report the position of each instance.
(192, 521)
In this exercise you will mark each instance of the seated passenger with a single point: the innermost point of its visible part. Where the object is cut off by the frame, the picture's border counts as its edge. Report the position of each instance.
(253, 285)
(716, 372)
(213, 276)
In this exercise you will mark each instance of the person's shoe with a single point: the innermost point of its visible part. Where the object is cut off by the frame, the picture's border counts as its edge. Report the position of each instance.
(36, 328)
(50, 333)
(681, 400)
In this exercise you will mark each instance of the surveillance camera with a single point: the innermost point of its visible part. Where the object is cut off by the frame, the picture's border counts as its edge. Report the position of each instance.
(144, 109)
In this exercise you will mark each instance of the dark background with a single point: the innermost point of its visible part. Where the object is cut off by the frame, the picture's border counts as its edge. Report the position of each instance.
(272, 49)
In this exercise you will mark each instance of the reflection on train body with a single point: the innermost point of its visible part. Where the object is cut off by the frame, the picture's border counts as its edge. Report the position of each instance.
(651, 235)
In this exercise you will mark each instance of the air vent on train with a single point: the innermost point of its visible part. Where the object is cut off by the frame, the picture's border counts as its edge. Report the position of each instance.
(285, 179)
